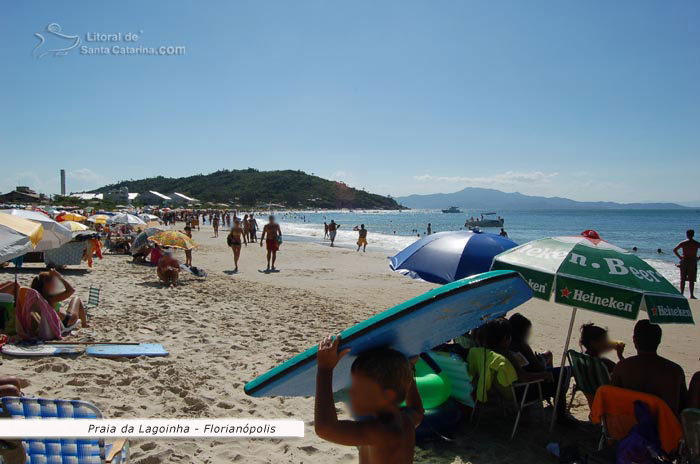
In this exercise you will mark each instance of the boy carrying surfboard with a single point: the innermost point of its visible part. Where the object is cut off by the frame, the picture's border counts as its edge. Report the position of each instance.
(381, 381)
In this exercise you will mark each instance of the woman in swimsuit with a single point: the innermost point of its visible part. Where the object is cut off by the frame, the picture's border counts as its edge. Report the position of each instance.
(234, 241)
(47, 284)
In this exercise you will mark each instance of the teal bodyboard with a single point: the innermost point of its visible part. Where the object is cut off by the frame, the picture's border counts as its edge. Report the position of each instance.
(413, 327)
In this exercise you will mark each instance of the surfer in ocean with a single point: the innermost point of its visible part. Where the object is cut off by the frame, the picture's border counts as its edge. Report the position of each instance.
(381, 381)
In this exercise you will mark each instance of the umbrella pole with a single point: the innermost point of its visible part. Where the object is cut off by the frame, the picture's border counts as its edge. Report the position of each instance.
(561, 369)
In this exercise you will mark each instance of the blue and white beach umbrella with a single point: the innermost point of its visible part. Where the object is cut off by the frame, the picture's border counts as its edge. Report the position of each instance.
(444, 257)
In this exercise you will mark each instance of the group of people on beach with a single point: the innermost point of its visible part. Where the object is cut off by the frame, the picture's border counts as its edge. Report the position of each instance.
(383, 386)
(271, 236)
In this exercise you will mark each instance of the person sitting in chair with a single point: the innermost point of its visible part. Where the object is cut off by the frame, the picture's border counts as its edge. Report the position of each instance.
(650, 373)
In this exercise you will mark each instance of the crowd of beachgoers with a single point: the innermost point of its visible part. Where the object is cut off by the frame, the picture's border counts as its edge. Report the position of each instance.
(183, 253)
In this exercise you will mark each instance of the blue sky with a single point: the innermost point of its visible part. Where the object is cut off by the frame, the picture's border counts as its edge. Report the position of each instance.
(595, 100)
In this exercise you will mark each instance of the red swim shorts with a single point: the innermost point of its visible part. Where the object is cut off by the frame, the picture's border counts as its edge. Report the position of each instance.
(272, 244)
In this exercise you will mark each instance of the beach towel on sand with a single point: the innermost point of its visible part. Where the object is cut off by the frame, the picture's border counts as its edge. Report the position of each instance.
(498, 368)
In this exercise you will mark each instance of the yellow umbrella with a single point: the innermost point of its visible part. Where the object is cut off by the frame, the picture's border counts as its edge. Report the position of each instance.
(173, 239)
(98, 219)
(70, 217)
(74, 226)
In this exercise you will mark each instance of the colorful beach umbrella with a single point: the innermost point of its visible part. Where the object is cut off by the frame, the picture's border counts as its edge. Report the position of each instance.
(98, 219)
(54, 234)
(65, 216)
(173, 239)
(444, 257)
(590, 273)
(18, 236)
(74, 226)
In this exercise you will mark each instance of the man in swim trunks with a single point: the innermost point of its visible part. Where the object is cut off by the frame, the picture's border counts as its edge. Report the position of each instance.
(333, 230)
(362, 239)
(272, 235)
(689, 261)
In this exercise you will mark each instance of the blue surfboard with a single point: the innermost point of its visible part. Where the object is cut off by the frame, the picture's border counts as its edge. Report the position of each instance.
(126, 351)
(413, 327)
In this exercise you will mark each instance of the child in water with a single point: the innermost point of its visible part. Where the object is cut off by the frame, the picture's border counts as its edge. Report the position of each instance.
(381, 381)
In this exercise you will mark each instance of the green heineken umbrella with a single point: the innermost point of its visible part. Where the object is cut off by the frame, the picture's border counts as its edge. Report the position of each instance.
(589, 273)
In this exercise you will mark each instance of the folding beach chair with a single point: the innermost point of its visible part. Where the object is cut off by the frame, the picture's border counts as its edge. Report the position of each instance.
(613, 408)
(589, 373)
(690, 420)
(64, 450)
(515, 396)
(93, 298)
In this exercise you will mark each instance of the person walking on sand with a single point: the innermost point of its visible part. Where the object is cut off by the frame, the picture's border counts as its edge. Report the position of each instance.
(362, 238)
(272, 236)
(689, 261)
(325, 230)
(215, 224)
(188, 253)
(253, 224)
(234, 241)
(246, 230)
(332, 231)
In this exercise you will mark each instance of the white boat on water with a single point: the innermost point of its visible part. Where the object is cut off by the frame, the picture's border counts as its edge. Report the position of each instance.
(484, 221)
(452, 209)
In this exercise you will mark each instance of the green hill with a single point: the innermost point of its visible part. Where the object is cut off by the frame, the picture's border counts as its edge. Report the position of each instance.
(250, 187)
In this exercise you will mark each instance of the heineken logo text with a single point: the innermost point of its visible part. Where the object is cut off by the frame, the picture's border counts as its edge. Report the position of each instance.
(668, 311)
(537, 287)
(592, 298)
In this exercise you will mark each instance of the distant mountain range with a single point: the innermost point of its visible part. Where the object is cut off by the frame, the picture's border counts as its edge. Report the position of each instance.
(472, 198)
(250, 187)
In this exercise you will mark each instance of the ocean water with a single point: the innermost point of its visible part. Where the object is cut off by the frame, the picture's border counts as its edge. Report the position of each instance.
(391, 231)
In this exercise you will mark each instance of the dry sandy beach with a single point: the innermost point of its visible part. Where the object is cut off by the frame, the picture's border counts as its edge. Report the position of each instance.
(227, 329)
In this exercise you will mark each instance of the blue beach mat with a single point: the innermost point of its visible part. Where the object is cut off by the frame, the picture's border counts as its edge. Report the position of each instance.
(413, 327)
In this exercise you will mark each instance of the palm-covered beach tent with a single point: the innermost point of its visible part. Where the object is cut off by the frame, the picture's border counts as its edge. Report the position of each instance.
(445, 257)
(595, 275)
(590, 273)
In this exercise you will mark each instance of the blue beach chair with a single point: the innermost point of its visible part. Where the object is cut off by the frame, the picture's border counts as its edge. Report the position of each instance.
(64, 450)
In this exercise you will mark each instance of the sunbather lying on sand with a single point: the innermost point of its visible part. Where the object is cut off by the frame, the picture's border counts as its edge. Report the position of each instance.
(48, 285)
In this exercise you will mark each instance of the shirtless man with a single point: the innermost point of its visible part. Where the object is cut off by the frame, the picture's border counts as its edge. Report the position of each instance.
(689, 261)
(168, 269)
(271, 235)
(333, 230)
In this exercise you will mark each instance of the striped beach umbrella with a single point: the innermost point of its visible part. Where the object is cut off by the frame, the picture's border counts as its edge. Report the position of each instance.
(18, 236)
